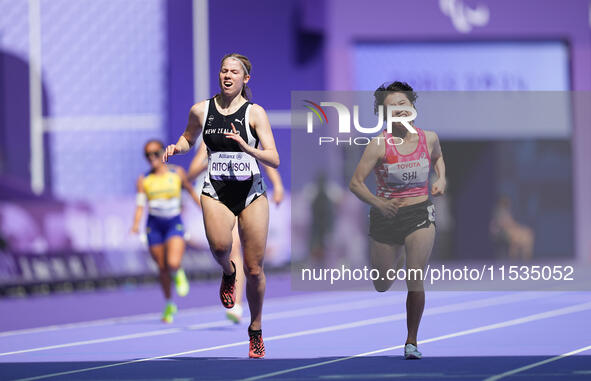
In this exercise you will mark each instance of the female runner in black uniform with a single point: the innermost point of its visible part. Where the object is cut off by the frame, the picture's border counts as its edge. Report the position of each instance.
(232, 129)
(198, 165)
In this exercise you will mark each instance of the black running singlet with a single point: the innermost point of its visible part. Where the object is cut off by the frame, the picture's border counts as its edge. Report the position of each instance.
(233, 176)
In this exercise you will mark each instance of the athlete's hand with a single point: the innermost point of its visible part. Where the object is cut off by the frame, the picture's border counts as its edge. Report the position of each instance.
(438, 187)
(278, 195)
(389, 208)
(135, 229)
(234, 135)
(171, 150)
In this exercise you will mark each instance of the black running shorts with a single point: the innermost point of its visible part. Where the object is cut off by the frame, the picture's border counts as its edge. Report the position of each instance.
(393, 231)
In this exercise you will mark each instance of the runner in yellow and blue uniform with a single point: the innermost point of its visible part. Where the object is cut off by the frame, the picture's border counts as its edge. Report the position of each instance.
(161, 189)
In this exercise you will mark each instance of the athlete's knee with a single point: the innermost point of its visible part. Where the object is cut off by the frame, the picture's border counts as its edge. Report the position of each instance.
(162, 267)
(174, 264)
(381, 285)
(220, 248)
(160, 262)
(254, 271)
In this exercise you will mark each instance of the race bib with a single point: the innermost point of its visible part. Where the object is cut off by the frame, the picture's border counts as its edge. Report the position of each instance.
(237, 166)
(414, 173)
(431, 212)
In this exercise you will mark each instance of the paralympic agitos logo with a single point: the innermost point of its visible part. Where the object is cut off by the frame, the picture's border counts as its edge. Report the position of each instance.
(344, 122)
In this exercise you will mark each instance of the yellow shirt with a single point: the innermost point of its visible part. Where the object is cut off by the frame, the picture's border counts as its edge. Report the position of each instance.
(163, 193)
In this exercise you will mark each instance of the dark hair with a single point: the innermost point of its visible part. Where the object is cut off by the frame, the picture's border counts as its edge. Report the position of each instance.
(395, 87)
(246, 93)
(154, 141)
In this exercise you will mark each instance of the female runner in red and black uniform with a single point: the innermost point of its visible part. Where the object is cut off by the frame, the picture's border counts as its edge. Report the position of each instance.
(401, 214)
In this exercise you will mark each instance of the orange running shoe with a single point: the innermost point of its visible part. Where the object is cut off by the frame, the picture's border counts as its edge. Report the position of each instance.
(227, 288)
(256, 347)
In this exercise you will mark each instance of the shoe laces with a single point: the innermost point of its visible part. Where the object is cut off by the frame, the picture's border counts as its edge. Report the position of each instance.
(256, 341)
(228, 284)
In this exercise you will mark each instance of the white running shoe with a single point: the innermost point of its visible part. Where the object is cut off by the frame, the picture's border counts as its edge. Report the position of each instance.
(411, 352)
(235, 313)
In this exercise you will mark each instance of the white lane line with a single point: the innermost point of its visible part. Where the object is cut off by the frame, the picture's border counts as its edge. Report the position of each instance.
(536, 364)
(508, 323)
(271, 302)
(382, 376)
(300, 312)
(331, 308)
(139, 335)
(245, 342)
(400, 316)
(107, 321)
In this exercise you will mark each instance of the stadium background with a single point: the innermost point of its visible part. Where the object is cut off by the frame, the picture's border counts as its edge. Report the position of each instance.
(84, 84)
